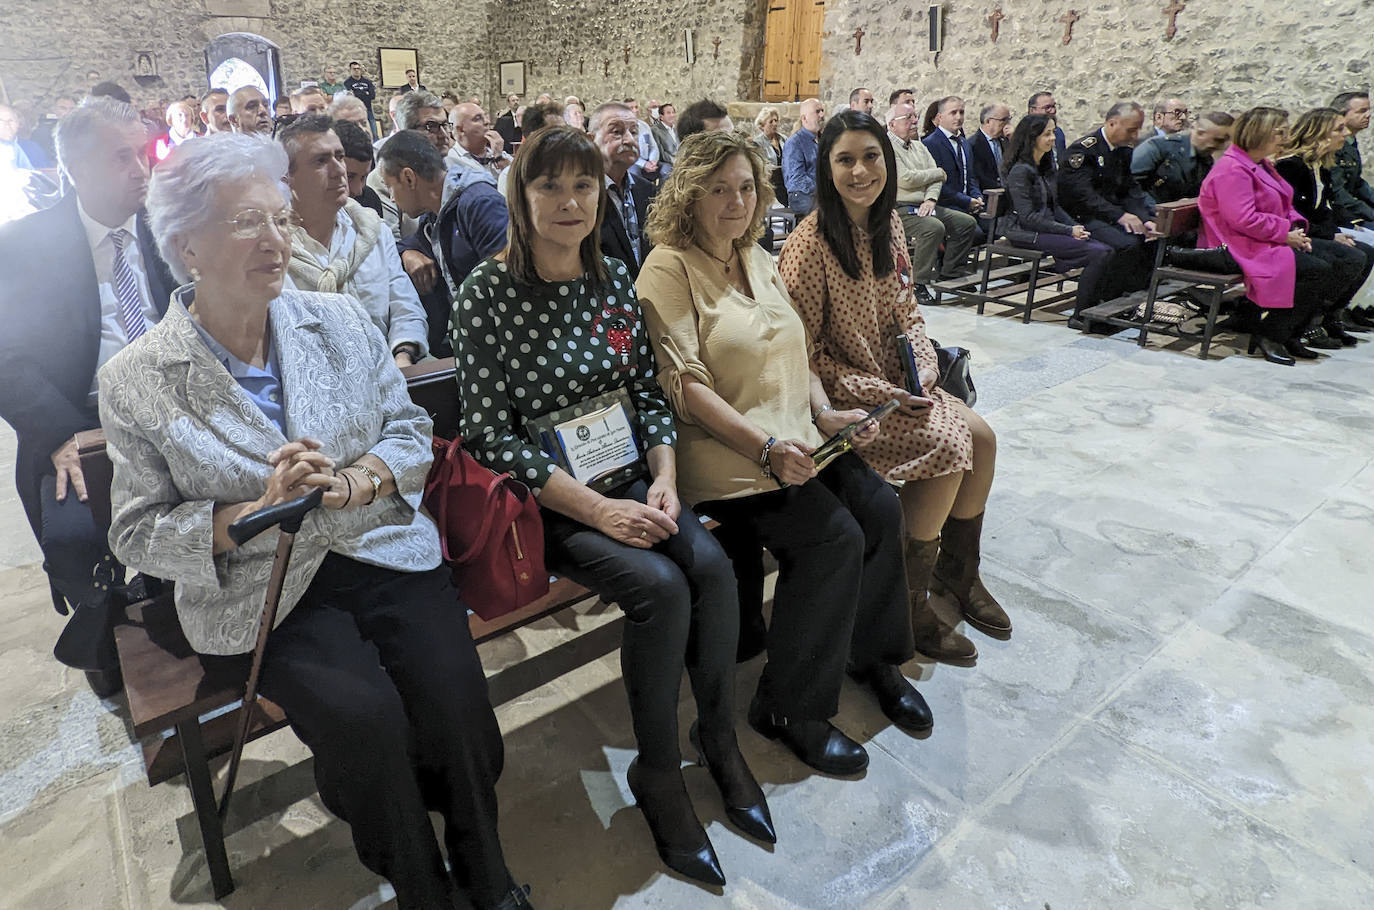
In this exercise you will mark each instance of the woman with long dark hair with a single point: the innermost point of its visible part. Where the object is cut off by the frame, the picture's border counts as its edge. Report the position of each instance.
(847, 272)
(1034, 218)
(551, 346)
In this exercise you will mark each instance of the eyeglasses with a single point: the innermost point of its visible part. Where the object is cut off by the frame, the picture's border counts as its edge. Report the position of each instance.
(436, 127)
(250, 223)
(999, 120)
(1181, 113)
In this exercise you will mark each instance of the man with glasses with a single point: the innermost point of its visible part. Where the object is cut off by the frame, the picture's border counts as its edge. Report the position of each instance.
(988, 144)
(926, 224)
(1043, 103)
(1166, 165)
(423, 111)
(85, 280)
(338, 246)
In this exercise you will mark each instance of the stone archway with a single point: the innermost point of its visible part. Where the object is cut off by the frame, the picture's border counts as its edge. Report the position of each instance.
(243, 58)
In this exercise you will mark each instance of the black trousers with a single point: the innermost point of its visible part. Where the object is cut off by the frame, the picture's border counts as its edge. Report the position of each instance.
(1131, 263)
(82, 572)
(841, 595)
(680, 611)
(378, 675)
(1350, 266)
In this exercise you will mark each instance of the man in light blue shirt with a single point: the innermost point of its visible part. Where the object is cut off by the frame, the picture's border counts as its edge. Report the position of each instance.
(799, 158)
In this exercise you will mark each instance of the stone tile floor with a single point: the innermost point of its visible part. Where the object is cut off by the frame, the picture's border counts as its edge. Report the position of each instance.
(1181, 720)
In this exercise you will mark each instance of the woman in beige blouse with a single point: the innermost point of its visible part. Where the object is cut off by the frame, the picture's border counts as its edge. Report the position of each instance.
(846, 270)
(732, 358)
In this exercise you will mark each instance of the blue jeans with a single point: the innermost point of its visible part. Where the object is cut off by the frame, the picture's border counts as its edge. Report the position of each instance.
(801, 203)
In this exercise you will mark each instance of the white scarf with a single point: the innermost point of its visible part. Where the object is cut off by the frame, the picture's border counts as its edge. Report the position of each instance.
(305, 269)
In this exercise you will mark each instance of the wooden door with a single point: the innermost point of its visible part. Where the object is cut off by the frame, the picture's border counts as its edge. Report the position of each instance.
(792, 49)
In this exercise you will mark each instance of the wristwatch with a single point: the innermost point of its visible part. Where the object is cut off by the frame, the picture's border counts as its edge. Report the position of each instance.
(409, 348)
(372, 476)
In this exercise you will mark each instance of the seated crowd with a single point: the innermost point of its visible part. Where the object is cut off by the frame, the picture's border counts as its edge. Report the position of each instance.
(240, 292)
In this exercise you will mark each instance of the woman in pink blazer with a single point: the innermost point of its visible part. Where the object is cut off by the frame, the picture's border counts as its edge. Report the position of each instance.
(1248, 207)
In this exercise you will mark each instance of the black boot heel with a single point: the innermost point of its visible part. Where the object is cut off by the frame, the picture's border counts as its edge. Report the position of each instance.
(655, 800)
(754, 820)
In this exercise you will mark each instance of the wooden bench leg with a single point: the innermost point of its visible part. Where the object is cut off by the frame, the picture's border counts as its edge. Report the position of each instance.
(1213, 308)
(207, 812)
(1030, 293)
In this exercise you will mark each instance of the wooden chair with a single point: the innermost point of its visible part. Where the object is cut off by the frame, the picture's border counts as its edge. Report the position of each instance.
(1026, 272)
(1172, 219)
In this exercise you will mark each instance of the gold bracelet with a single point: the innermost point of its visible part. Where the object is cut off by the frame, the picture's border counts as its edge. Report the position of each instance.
(372, 476)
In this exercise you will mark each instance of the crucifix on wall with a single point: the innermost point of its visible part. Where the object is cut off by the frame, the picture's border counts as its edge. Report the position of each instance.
(606, 70)
(1069, 19)
(1172, 10)
(995, 20)
(715, 55)
(627, 55)
(858, 37)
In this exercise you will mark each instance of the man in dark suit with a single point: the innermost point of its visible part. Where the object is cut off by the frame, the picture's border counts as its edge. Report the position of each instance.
(1096, 187)
(988, 144)
(952, 153)
(614, 129)
(91, 282)
(1043, 103)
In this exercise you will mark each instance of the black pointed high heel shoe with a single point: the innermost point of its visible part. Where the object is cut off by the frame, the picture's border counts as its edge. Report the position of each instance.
(754, 820)
(656, 800)
(1272, 350)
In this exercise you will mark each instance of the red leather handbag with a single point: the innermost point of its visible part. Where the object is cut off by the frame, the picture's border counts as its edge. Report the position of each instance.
(490, 531)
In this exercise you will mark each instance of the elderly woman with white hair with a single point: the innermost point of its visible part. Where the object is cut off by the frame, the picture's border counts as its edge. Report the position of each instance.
(769, 139)
(247, 395)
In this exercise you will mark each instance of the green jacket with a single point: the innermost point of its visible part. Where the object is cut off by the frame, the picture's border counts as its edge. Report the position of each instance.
(1351, 196)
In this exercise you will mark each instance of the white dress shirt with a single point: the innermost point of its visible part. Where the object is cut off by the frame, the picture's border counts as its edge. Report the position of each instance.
(112, 335)
(381, 285)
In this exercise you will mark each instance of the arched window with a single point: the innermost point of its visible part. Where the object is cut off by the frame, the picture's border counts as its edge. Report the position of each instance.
(234, 73)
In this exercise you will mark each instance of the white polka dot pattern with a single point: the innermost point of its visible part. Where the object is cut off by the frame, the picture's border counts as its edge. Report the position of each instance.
(601, 334)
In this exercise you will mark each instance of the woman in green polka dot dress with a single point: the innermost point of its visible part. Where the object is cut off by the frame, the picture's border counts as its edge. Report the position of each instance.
(541, 327)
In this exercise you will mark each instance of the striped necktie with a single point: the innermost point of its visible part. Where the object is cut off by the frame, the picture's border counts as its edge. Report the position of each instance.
(126, 288)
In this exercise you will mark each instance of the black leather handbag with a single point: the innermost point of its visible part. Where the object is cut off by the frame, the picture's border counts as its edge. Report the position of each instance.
(955, 376)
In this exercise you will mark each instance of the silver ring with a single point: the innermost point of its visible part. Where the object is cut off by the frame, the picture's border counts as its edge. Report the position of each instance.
(644, 534)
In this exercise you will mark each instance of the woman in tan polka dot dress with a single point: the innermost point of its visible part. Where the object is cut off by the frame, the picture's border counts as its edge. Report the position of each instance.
(846, 269)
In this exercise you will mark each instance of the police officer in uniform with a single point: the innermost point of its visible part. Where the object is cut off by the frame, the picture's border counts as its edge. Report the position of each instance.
(1096, 188)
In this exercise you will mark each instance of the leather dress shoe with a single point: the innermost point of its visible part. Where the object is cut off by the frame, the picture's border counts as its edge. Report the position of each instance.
(105, 683)
(1336, 329)
(898, 698)
(816, 742)
(1296, 348)
(923, 295)
(1361, 318)
(1318, 338)
(1272, 350)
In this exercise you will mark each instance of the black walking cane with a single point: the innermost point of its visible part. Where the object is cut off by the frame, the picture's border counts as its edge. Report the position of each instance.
(289, 515)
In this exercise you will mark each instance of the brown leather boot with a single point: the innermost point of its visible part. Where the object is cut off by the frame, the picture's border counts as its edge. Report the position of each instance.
(934, 639)
(956, 577)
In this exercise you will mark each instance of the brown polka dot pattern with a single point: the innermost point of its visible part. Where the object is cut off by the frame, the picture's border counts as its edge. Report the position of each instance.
(851, 325)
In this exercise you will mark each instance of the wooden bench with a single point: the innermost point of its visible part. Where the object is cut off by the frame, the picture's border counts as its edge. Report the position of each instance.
(1026, 271)
(170, 691)
(1172, 219)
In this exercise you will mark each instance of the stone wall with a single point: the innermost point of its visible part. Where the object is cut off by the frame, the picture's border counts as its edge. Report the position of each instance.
(577, 47)
(64, 46)
(1225, 55)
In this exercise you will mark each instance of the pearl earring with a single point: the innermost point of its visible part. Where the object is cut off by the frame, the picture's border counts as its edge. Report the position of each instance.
(195, 275)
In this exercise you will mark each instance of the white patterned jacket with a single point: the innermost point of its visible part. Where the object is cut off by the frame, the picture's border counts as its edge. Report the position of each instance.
(183, 437)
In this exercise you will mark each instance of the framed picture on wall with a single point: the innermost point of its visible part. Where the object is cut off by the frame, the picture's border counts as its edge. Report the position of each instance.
(393, 63)
(512, 77)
